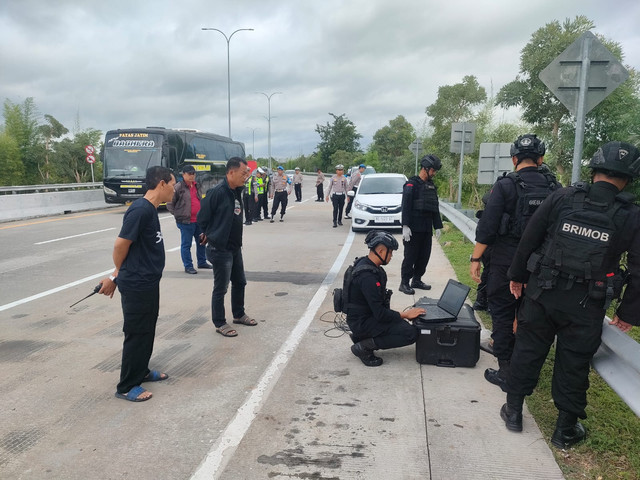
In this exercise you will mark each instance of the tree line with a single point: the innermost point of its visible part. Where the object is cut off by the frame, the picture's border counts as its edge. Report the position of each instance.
(43, 153)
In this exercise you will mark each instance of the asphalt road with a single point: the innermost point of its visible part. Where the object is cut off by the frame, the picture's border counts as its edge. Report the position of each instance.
(285, 399)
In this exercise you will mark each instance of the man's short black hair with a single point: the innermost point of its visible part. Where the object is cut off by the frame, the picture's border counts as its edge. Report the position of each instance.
(235, 162)
(156, 174)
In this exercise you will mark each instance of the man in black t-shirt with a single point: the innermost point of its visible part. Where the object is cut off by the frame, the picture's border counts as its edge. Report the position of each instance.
(138, 255)
(220, 218)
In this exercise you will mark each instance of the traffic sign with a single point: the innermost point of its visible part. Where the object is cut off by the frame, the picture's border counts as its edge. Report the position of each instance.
(416, 147)
(603, 71)
(91, 159)
(495, 158)
(89, 149)
(462, 132)
(581, 77)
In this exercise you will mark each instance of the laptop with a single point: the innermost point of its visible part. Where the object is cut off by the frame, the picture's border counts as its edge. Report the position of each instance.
(448, 305)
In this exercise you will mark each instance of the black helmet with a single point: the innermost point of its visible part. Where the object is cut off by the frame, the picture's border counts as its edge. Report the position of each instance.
(618, 159)
(431, 161)
(375, 238)
(528, 143)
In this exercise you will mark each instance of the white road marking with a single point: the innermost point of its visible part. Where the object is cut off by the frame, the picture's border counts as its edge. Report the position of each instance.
(74, 236)
(55, 290)
(222, 451)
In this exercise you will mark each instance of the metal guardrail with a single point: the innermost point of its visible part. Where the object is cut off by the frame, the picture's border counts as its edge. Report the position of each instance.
(52, 187)
(617, 360)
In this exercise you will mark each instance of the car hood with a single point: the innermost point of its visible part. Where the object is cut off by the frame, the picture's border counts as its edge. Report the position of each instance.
(381, 199)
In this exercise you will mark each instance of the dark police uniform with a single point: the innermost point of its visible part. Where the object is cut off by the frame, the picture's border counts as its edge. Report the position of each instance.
(421, 213)
(369, 315)
(493, 230)
(563, 305)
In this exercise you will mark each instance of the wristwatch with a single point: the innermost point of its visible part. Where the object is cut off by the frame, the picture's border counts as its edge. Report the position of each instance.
(471, 259)
(112, 278)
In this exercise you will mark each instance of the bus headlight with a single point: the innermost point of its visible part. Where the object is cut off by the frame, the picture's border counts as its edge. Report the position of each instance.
(108, 191)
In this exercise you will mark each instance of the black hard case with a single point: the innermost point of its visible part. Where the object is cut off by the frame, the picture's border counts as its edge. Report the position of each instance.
(449, 344)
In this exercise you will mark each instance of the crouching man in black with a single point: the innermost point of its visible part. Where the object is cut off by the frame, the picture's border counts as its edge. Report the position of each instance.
(373, 324)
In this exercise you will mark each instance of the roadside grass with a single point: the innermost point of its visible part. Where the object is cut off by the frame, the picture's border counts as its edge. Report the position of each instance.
(612, 448)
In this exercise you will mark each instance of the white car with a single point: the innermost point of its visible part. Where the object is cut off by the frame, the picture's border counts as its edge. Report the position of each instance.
(378, 202)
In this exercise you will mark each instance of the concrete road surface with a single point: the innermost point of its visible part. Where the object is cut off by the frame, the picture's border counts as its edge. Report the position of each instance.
(285, 399)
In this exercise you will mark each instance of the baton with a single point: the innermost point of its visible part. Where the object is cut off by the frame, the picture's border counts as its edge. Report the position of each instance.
(95, 290)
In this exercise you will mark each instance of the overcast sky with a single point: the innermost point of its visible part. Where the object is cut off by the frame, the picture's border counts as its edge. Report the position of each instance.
(121, 64)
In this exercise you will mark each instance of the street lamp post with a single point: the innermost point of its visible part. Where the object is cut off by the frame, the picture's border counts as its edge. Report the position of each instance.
(253, 139)
(228, 39)
(269, 120)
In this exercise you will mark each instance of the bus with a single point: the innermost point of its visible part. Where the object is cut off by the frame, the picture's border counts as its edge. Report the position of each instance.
(128, 153)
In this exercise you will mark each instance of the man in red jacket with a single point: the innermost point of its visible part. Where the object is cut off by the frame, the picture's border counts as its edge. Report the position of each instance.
(185, 206)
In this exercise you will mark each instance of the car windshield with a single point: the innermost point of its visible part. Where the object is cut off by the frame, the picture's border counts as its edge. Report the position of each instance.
(378, 185)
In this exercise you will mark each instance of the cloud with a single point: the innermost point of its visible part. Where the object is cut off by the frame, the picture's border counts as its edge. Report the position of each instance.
(124, 64)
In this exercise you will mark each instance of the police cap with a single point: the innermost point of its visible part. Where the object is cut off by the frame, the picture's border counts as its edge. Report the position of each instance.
(431, 161)
(618, 159)
(339, 167)
(375, 238)
(530, 144)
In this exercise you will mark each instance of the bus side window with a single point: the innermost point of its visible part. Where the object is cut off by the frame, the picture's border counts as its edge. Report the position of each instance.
(173, 158)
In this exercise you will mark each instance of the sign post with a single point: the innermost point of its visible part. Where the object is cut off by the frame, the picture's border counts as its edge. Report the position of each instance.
(463, 138)
(90, 159)
(416, 147)
(581, 77)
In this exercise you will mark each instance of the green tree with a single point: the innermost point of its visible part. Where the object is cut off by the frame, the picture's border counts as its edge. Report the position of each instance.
(391, 142)
(71, 158)
(616, 118)
(455, 103)
(49, 131)
(21, 124)
(10, 165)
(341, 135)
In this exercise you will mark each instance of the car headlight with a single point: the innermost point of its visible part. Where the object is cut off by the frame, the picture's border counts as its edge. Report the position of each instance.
(358, 205)
(108, 191)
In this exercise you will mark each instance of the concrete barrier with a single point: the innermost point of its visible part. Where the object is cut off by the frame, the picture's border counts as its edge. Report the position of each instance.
(29, 205)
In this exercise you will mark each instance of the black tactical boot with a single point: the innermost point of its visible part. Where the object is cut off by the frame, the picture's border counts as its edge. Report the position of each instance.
(569, 430)
(417, 283)
(405, 288)
(364, 351)
(481, 304)
(511, 412)
(498, 377)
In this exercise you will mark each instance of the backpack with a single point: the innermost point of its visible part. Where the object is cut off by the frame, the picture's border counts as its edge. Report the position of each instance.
(342, 296)
(579, 247)
(530, 197)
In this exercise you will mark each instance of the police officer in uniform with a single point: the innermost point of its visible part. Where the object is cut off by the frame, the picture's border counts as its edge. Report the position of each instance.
(420, 216)
(261, 191)
(569, 259)
(500, 227)
(297, 184)
(338, 187)
(250, 199)
(279, 190)
(354, 183)
(320, 185)
(373, 324)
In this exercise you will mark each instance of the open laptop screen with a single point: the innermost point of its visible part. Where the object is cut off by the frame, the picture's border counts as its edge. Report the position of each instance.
(453, 297)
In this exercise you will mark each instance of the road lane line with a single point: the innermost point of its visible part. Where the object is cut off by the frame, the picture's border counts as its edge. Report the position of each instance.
(222, 451)
(54, 290)
(74, 236)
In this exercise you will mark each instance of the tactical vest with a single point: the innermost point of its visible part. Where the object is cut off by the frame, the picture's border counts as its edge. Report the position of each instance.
(247, 186)
(578, 249)
(530, 197)
(260, 185)
(342, 296)
(425, 198)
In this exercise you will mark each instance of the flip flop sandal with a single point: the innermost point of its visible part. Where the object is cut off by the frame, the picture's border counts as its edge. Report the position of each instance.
(133, 395)
(227, 331)
(155, 376)
(245, 320)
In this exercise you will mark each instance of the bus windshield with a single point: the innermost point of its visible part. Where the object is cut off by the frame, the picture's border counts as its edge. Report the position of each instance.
(130, 154)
